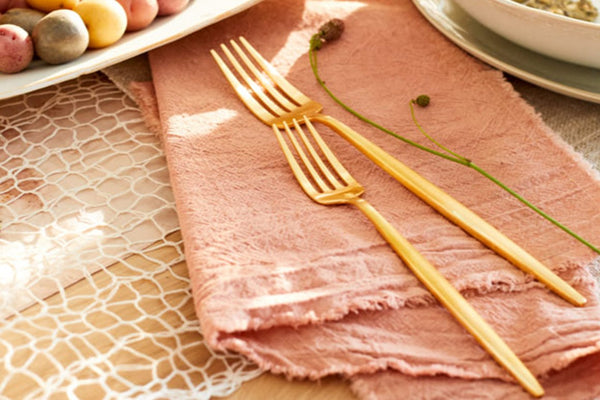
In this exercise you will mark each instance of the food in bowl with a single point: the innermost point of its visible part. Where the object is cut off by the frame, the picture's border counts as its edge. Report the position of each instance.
(579, 9)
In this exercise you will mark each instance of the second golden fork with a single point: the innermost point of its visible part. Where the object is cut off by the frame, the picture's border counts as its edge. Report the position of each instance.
(325, 180)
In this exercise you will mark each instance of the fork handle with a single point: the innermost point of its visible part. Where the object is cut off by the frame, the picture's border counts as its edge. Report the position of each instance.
(455, 211)
(452, 300)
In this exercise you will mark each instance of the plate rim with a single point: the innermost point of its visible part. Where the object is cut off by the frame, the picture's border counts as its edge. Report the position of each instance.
(424, 7)
(166, 29)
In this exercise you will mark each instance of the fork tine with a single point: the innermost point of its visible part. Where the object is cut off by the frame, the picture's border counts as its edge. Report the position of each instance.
(256, 89)
(307, 163)
(301, 177)
(283, 84)
(315, 156)
(333, 161)
(266, 83)
(242, 91)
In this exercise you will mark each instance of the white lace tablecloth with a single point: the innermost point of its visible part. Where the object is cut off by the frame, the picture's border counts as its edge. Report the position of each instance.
(85, 197)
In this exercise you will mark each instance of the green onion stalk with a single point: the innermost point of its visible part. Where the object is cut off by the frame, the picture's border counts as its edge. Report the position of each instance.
(333, 30)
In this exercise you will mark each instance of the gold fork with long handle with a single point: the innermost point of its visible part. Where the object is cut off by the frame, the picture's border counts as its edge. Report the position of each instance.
(275, 101)
(326, 181)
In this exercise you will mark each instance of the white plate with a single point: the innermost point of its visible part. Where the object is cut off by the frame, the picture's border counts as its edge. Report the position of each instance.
(558, 36)
(559, 76)
(197, 15)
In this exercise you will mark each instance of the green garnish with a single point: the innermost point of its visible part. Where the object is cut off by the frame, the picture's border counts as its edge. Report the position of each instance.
(422, 100)
(328, 32)
(316, 43)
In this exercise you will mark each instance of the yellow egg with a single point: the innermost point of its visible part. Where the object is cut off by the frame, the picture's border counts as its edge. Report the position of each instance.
(51, 5)
(105, 20)
(70, 4)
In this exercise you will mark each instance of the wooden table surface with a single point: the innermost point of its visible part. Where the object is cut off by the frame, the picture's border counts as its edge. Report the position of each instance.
(266, 386)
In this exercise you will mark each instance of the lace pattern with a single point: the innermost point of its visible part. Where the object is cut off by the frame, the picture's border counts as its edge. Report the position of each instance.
(94, 291)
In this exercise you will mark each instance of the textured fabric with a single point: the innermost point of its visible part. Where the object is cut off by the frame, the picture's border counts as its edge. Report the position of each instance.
(579, 381)
(308, 290)
(576, 121)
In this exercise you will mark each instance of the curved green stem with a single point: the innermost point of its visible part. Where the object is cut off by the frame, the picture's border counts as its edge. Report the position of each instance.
(428, 136)
(533, 207)
(313, 63)
(448, 155)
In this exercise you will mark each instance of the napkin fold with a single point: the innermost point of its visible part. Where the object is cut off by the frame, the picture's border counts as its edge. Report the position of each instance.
(308, 290)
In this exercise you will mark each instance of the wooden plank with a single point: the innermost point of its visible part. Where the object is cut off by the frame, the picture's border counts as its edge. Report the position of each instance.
(68, 345)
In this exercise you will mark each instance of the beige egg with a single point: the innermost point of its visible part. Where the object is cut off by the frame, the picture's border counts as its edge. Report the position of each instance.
(26, 18)
(59, 37)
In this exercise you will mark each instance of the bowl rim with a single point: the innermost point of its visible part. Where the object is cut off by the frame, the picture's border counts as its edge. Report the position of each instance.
(550, 15)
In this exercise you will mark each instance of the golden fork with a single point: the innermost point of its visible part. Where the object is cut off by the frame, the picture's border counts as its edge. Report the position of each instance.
(275, 101)
(326, 181)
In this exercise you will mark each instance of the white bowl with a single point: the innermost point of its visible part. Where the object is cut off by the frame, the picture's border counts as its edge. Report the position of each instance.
(556, 36)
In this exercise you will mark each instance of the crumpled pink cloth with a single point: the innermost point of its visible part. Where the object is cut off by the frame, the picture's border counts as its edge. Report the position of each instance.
(308, 290)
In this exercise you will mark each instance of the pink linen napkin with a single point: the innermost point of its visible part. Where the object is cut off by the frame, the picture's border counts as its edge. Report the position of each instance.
(308, 290)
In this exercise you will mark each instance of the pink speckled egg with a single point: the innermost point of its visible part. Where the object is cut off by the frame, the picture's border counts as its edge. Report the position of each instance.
(16, 48)
(168, 7)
